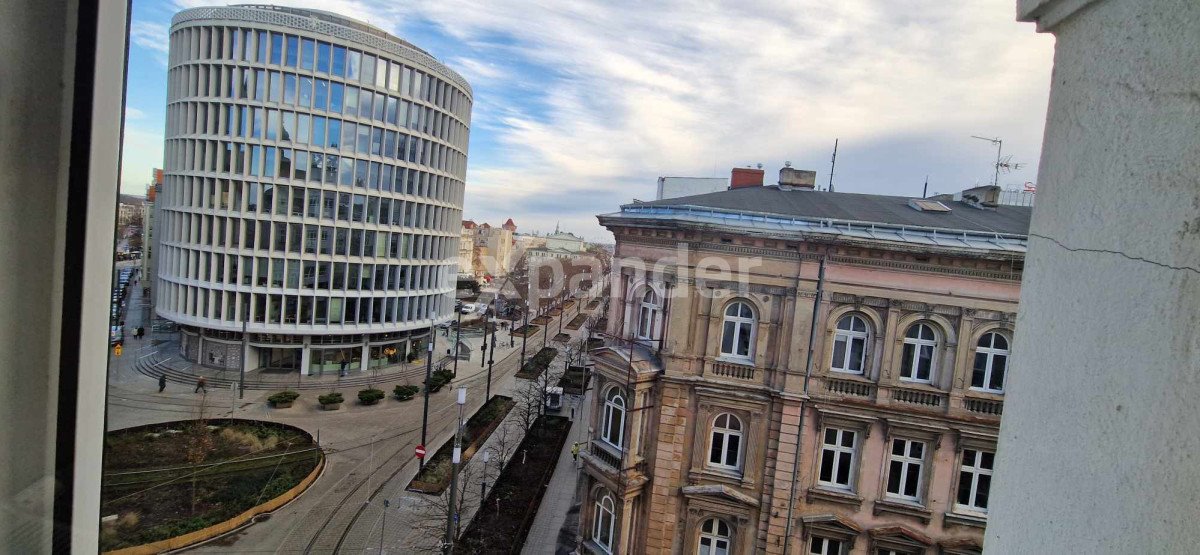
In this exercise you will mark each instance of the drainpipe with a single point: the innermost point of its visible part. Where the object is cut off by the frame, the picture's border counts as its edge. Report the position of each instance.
(808, 364)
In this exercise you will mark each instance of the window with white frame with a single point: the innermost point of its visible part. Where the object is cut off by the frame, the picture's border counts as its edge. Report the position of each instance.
(975, 480)
(824, 546)
(737, 335)
(726, 448)
(850, 344)
(714, 538)
(920, 343)
(648, 315)
(837, 458)
(604, 521)
(612, 429)
(991, 361)
(905, 466)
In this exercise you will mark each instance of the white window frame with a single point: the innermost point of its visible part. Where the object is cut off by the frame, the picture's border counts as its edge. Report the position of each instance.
(848, 336)
(611, 407)
(991, 352)
(604, 505)
(726, 433)
(829, 546)
(975, 469)
(647, 315)
(838, 449)
(715, 539)
(747, 325)
(916, 344)
(907, 462)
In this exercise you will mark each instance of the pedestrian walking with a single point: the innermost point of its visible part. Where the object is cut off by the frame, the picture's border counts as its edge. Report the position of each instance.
(575, 451)
(201, 385)
(162, 382)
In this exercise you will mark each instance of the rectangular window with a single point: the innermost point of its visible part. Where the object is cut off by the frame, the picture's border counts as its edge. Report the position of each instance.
(353, 59)
(340, 240)
(261, 41)
(289, 127)
(336, 91)
(367, 75)
(318, 131)
(276, 48)
(326, 240)
(975, 480)
(301, 165)
(334, 133)
(303, 126)
(837, 458)
(352, 101)
(365, 99)
(349, 130)
(328, 203)
(364, 139)
(306, 54)
(323, 57)
(268, 161)
(275, 92)
(293, 50)
(289, 88)
(825, 546)
(257, 129)
(360, 173)
(359, 207)
(904, 469)
(343, 207)
(320, 94)
(339, 67)
(391, 110)
(285, 163)
(272, 124)
(306, 91)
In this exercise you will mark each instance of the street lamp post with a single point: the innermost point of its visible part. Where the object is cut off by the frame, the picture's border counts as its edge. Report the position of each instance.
(525, 335)
(452, 513)
(428, 376)
(491, 358)
(483, 348)
(483, 482)
(457, 335)
(245, 347)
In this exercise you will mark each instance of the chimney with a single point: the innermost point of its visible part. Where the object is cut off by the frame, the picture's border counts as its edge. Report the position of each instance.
(741, 178)
(800, 179)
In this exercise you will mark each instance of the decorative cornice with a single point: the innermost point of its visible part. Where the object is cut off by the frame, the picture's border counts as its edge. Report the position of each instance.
(785, 255)
(1048, 13)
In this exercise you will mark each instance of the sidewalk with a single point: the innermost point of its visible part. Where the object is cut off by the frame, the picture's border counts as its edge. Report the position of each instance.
(557, 522)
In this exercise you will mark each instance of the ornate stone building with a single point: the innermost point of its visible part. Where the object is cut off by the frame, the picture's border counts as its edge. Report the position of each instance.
(838, 392)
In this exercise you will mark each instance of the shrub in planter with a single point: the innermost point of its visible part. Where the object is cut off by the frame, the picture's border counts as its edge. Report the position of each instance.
(439, 378)
(412, 355)
(331, 401)
(283, 399)
(370, 396)
(406, 392)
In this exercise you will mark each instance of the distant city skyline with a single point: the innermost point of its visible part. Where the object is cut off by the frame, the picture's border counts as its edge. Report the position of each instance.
(580, 107)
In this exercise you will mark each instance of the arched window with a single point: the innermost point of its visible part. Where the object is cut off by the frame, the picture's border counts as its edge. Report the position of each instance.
(991, 360)
(920, 342)
(850, 344)
(602, 524)
(613, 426)
(714, 538)
(648, 315)
(738, 331)
(726, 449)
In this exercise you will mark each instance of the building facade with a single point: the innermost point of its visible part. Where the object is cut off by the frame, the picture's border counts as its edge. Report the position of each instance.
(485, 250)
(840, 394)
(313, 182)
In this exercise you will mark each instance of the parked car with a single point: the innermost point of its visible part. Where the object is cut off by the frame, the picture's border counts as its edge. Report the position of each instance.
(467, 308)
(116, 334)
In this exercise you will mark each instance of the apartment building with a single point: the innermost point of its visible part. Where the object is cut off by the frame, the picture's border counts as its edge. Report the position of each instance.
(839, 392)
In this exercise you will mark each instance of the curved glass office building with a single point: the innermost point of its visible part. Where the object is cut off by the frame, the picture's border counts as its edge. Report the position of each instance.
(313, 190)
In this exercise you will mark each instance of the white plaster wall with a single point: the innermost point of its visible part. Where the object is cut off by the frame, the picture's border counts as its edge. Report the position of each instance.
(1100, 444)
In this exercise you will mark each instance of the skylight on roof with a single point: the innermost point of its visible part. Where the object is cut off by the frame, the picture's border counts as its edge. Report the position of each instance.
(924, 205)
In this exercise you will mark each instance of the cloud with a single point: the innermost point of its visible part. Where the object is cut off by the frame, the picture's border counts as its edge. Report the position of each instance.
(151, 36)
(141, 151)
(132, 113)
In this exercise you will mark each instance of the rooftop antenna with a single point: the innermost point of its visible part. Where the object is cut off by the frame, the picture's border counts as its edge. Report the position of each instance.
(999, 144)
(832, 165)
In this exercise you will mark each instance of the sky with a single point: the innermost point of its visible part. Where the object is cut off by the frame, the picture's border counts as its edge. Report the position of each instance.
(580, 106)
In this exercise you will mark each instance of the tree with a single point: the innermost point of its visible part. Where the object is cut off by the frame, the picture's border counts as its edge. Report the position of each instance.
(431, 514)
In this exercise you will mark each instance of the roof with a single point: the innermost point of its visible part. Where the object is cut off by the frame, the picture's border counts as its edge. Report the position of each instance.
(469, 224)
(856, 207)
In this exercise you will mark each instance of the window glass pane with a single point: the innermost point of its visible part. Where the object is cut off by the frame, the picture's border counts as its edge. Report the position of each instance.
(352, 101)
(276, 48)
(275, 92)
(306, 91)
(349, 131)
(339, 61)
(857, 347)
(272, 124)
(323, 57)
(303, 125)
(353, 59)
(336, 90)
(320, 94)
(293, 44)
(306, 54)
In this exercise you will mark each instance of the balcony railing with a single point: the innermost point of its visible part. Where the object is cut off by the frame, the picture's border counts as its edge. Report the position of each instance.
(993, 407)
(850, 387)
(726, 369)
(917, 397)
(604, 454)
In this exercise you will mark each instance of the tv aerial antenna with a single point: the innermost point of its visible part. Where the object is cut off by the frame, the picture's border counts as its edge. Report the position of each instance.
(1003, 163)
